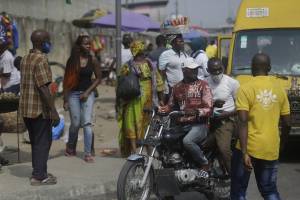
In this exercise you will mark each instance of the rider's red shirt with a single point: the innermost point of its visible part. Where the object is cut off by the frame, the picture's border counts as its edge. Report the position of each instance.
(195, 96)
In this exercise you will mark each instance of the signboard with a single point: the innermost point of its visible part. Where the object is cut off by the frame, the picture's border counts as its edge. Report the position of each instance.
(257, 12)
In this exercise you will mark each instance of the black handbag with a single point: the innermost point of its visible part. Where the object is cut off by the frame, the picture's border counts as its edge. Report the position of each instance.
(128, 85)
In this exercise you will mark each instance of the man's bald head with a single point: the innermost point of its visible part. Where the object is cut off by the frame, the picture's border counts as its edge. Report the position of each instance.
(38, 37)
(261, 64)
(215, 66)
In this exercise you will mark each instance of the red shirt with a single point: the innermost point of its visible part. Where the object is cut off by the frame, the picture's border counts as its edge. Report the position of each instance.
(195, 96)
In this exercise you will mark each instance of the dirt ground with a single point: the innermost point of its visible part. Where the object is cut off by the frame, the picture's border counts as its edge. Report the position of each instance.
(105, 129)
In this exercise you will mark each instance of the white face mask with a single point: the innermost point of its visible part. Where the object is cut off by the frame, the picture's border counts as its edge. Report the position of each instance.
(217, 78)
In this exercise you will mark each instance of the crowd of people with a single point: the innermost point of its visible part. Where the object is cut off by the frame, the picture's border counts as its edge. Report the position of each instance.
(216, 106)
(241, 121)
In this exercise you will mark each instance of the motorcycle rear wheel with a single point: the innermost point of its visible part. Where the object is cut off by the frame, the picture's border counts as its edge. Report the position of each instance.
(129, 179)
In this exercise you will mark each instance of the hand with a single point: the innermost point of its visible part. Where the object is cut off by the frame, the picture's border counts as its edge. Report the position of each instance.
(216, 114)
(190, 112)
(66, 106)
(161, 103)
(219, 103)
(220, 114)
(55, 118)
(163, 109)
(84, 96)
(247, 162)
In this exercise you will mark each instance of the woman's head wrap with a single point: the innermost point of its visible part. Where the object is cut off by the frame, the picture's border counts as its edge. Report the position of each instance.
(137, 47)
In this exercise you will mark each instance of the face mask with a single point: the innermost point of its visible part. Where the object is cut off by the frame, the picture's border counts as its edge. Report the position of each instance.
(217, 78)
(46, 48)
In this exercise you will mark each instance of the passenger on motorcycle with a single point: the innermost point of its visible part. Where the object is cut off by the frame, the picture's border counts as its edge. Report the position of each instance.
(224, 89)
(194, 97)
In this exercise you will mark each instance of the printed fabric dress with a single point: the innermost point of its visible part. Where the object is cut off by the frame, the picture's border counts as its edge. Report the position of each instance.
(131, 119)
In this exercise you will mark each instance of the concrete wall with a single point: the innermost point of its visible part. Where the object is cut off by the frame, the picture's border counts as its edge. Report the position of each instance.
(53, 9)
(63, 34)
(55, 16)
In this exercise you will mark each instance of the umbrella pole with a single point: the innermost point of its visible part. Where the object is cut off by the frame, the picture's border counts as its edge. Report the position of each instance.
(118, 35)
(118, 45)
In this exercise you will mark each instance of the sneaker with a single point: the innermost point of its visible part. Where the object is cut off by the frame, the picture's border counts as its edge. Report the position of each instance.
(203, 174)
(51, 176)
(50, 180)
(89, 159)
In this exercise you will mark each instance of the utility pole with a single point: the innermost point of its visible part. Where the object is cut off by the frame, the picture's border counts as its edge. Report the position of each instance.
(118, 34)
(176, 8)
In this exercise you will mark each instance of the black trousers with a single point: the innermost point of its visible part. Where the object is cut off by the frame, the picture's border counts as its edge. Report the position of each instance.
(40, 134)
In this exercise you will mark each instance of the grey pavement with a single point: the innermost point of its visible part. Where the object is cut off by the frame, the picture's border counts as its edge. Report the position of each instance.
(76, 180)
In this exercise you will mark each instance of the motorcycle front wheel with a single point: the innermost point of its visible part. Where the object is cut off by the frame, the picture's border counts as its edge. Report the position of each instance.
(129, 180)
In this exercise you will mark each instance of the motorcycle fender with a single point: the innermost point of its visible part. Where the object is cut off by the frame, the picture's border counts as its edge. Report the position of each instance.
(135, 157)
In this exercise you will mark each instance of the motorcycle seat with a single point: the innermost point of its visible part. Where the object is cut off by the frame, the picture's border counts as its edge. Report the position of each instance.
(176, 133)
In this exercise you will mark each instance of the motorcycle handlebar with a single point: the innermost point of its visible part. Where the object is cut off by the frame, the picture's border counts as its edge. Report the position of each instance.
(176, 113)
(170, 114)
(173, 113)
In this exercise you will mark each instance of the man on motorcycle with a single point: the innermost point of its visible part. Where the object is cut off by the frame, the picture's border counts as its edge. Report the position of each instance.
(224, 89)
(194, 98)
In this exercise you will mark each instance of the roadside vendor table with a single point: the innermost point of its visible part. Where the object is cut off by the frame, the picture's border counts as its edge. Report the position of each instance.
(7, 106)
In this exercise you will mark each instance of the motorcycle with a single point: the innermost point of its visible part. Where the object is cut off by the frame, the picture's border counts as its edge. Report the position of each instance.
(167, 169)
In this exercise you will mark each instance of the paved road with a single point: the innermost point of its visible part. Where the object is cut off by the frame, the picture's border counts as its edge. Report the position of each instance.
(288, 179)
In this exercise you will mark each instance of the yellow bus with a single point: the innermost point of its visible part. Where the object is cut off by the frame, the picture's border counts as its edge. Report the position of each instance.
(272, 27)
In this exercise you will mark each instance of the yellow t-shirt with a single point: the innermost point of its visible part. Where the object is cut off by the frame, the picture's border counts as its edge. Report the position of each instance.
(265, 100)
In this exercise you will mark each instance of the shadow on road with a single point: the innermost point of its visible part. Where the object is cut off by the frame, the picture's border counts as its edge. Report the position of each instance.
(21, 171)
(11, 154)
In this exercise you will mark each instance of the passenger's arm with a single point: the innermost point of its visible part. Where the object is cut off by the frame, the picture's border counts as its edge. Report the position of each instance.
(207, 102)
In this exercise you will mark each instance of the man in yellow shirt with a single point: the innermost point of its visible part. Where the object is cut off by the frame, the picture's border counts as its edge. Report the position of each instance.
(260, 104)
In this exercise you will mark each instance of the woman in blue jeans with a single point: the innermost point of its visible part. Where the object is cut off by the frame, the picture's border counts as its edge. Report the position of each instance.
(79, 96)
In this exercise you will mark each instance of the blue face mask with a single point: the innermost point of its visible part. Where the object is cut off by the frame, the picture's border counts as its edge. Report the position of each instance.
(46, 48)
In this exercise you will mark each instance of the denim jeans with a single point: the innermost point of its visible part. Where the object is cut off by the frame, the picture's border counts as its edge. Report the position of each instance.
(81, 116)
(190, 142)
(265, 174)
